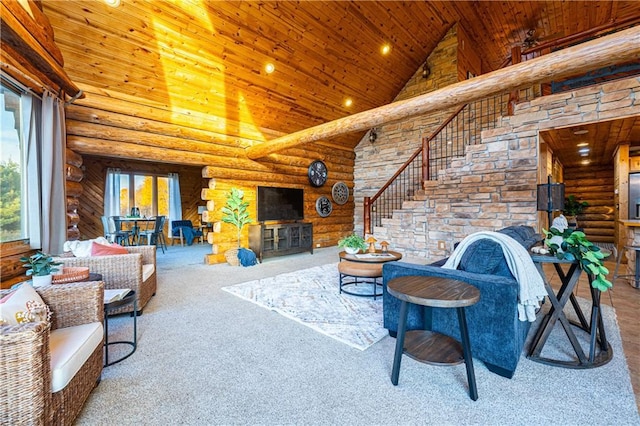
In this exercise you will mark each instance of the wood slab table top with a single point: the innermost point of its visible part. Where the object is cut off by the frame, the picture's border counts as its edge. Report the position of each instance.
(433, 291)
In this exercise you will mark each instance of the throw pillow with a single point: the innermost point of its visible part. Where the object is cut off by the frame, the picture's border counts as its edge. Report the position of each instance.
(107, 249)
(23, 305)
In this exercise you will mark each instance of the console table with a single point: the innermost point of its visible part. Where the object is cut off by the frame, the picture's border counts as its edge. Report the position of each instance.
(279, 239)
(600, 352)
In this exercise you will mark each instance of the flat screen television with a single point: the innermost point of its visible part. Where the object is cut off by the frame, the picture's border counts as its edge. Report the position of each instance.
(280, 203)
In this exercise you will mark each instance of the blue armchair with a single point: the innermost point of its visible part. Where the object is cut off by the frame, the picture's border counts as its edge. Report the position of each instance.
(497, 336)
(184, 231)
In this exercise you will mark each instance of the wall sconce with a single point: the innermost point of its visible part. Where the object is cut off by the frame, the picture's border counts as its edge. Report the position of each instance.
(373, 135)
(550, 198)
(425, 71)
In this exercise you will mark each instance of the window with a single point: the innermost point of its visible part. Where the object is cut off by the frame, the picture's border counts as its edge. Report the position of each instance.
(13, 176)
(148, 193)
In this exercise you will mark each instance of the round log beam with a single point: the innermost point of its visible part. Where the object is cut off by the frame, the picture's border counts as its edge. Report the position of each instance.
(608, 50)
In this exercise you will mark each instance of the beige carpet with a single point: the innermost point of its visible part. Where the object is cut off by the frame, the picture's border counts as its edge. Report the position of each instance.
(207, 357)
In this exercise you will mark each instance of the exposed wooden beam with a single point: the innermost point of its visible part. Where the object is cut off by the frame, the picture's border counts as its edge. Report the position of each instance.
(20, 32)
(608, 50)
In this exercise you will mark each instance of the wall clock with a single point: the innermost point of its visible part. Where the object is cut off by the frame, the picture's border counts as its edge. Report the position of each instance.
(324, 206)
(340, 193)
(318, 173)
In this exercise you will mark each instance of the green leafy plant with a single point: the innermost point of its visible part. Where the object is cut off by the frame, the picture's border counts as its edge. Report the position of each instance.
(573, 207)
(575, 246)
(354, 241)
(40, 264)
(235, 211)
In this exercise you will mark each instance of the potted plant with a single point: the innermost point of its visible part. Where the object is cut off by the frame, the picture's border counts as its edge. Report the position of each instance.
(235, 212)
(40, 266)
(575, 246)
(572, 208)
(352, 244)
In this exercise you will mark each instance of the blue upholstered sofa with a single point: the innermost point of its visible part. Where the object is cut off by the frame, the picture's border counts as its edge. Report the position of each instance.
(497, 336)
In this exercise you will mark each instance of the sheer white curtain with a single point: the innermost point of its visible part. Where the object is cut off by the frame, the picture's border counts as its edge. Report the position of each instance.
(54, 200)
(31, 107)
(112, 193)
(175, 203)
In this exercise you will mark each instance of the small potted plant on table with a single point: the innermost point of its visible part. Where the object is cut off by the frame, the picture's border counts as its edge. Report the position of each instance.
(574, 246)
(352, 244)
(572, 208)
(39, 267)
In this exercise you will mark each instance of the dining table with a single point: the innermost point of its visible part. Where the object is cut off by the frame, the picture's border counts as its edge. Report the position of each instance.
(133, 222)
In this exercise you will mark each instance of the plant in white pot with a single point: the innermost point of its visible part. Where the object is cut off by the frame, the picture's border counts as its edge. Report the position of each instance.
(235, 212)
(40, 266)
(353, 243)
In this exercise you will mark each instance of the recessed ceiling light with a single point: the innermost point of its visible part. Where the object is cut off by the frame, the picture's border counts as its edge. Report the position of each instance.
(385, 49)
(585, 162)
(348, 102)
(112, 3)
(583, 144)
(580, 132)
(583, 150)
(269, 68)
(584, 154)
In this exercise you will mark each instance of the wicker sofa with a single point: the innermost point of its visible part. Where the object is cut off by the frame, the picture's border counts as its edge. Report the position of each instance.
(28, 384)
(136, 271)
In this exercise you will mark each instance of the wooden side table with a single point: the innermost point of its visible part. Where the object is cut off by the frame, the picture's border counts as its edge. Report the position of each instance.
(600, 351)
(427, 346)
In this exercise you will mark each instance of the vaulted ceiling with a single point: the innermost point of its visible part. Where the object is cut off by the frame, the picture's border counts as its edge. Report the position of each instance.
(210, 56)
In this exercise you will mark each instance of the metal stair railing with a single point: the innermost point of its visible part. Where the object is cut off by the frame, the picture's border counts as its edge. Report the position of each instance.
(436, 153)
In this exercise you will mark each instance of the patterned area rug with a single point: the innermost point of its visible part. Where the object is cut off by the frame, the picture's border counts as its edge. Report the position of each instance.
(311, 297)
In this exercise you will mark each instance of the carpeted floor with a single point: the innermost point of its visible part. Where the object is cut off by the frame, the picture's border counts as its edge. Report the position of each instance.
(208, 357)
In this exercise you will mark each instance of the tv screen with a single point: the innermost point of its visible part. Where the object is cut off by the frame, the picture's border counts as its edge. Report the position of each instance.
(280, 203)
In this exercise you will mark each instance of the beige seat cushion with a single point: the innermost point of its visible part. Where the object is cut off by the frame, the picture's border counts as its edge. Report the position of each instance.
(147, 270)
(360, 269)
(70, 348)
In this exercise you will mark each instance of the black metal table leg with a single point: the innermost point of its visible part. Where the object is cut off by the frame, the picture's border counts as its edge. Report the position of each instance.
(466, 350)
(402, 328)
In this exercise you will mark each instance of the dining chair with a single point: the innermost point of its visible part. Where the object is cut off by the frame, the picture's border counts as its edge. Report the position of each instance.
(122, 236)
(107, 231)
(156, 234)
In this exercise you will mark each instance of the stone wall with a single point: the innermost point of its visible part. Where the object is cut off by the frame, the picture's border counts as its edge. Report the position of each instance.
(494, 184)
(376, 163)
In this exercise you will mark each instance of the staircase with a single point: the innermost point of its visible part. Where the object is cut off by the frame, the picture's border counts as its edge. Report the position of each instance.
(448, 142)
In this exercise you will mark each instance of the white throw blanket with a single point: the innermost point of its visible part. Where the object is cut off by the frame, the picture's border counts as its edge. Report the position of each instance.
(82, 248)
(531, 291)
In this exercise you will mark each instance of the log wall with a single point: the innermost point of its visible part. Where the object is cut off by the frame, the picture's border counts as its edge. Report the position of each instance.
(92, 201)
(142, 135)
(595, 186)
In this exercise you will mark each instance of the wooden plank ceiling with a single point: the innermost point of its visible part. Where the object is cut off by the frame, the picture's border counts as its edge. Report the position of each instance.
(209, 56)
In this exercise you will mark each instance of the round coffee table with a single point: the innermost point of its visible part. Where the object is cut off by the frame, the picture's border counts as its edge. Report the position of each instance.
(363, 268)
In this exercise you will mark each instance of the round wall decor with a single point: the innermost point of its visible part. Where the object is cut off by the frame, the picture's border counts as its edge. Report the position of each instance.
(340, 193)
(318, 173)
(324, 206)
